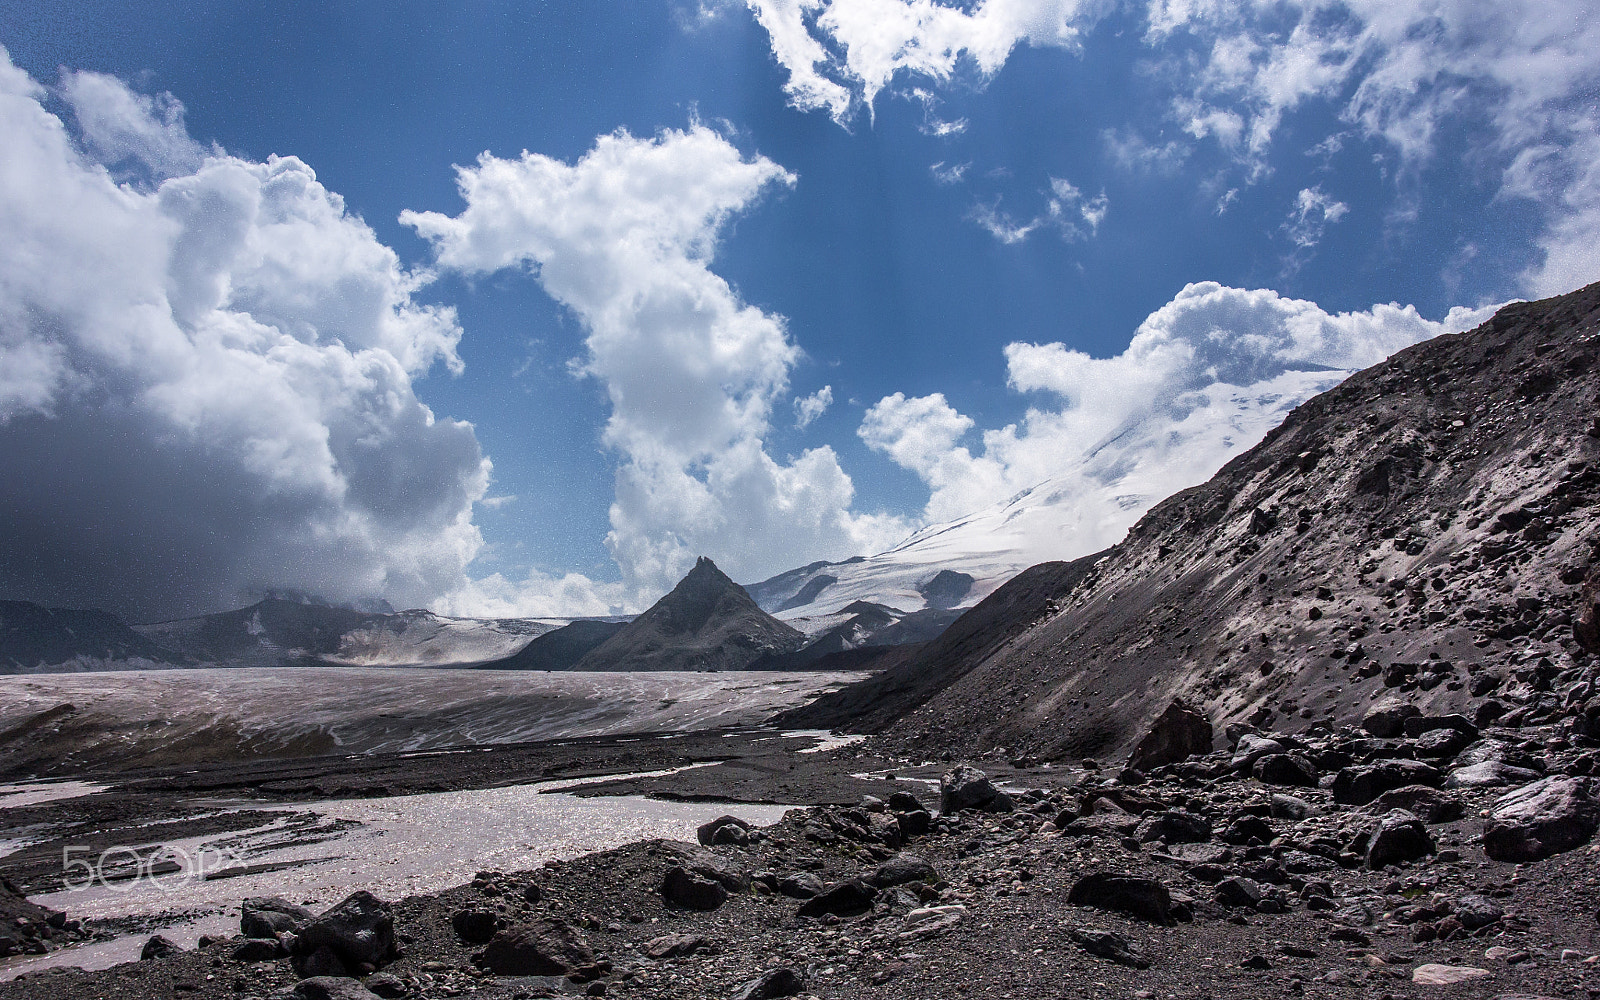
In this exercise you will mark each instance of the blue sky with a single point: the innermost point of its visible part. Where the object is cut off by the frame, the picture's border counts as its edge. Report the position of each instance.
(878, 197)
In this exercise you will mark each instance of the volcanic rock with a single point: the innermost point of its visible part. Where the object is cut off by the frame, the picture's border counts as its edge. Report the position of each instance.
(1399, 836)
(1177, 734)
(359, 931)
(1134, 895)
(1541, 819)
(543, 947)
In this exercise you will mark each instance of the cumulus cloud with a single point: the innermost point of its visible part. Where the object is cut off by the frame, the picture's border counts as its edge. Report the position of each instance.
(624, 238)
(809, 408)
(1203, 378)
(206, 382)
(840, 54)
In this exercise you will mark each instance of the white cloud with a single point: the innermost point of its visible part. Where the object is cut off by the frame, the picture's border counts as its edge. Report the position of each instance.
(1314, 211)
(809, 408)
(1204, 377)
(536, 595)
(841, 54)
(206, 386)
(624, 238)
(1066, 210)
(951, 174)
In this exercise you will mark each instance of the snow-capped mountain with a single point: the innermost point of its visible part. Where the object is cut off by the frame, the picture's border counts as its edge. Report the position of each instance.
(1087, 506)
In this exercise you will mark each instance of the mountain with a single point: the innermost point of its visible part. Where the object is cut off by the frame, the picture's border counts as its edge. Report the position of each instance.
(560, 649)
(1087, 506)
(857, 636)
(36, 639)
(707, 622)
(279, 632)
(1425, 532)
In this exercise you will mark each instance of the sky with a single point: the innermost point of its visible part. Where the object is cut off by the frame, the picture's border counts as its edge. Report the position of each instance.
(517, 308)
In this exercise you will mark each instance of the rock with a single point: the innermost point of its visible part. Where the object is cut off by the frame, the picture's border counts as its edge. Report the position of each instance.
(1541, 819)
(1361, 783)
(1286, 769)
(1108, 944)
(332, 988)
(687, 890)
(903, 868)
(1252, 748)
(1416, 725)
(915, 823)
(706, 833)
(1399, 836)
(801, 885)
(387, 985)
(674, 945)
(1489, 774)
(1387, 723)
(1238, 891)
(932, 919)
(158, 947)
(266, 916)
(772, 985)
(1289, 807)
(709, 865)
(1174, 827)
(965, 788)
(544, 947)
(1131, 894)
(1475, 911)
(1429, 804)
(847, 899)
(1178, 733)
(476, 926)
(905, 802)
(358, 929)
(1441, 744)
(320, 963)
(1248, 828)
(263, 949)
(1445, 975)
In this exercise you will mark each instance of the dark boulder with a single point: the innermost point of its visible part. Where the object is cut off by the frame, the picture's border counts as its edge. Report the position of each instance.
(1541, 819)
(1238, 891)
(1429, 804)
(1490, 774)
(674, 946)
(544, 947)
(1361, 783)
(850, 898)
(1251, 748)
(265, 916)
(158, 947)
(730, 830)
(966, 788)
(1134, 895)
(687, 890)
(1111, 945)
(358, 930)
(1418, 724)
(802, 885)
(1441, 744)
(1174, 827)
(1286, 769)
(1399, 836)
(772, 985)
(1475, 911)
(331, 988)
(260, 949)
(903, 868)
(1389, 722)
(476, 926)
(1247, 828)
(1178, 733)
(905, 802)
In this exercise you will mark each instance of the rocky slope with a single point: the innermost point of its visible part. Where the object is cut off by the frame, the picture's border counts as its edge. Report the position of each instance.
(1424, 532)
(707, 622)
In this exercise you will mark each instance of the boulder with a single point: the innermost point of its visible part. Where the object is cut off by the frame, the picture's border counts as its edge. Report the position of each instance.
(265, 916)
(477, 925)
(158, 947)
(359, 930)
(544, 947)
(1178, 733)
(1541, 819)
(732, 830)
(709, 865)
(1174, 827)
(261, 949)
(1475, 911)
(1429, 804)
(1290, 807)
(1446, 975)
(1238, 891)
(1286, 769)
(802, 885)
(849, 898)
(965, 788)
(1252, 748)
(674, 946)
(1399, 836)
(332, 988)
(1389, 722)
(1109, 944)
(687, 890)
(905, 802)
(772, 985)
(914, 823)
(1134, 895)
(1416, 725)
(903, 868)
(1490, 774)
(1361, 783)
(1247, 828)
(1441, 744)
